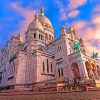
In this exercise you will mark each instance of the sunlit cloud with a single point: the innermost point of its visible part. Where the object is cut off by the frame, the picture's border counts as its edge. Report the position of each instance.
(97, 8)
(74, 4)
(90, 34)
(78, 25)
(73, 13)
(27, 14)
(70, 10)
(96, 19)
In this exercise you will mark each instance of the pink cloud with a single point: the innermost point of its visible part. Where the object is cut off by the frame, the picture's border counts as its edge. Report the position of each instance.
(90, 49)
(97, 8)
(62, 9)
(96, 19)
(73, 13)
(90, 34)
(63, 16)
(74, 4)
(28, 15)
(79, 25)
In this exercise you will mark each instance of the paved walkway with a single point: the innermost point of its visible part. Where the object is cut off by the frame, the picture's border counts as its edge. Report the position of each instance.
(90, 95)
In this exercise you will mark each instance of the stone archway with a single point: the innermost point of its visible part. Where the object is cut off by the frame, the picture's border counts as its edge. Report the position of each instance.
(89, 70)
(98, 70)
(94, 69)
(75, 70)
(87, 66)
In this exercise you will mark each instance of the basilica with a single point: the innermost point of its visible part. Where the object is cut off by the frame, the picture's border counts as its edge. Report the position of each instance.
(41, 57)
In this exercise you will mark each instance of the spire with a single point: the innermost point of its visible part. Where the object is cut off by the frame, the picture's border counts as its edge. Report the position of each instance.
(36, 15)
(63, 30)
(42, 11)
(20, 36)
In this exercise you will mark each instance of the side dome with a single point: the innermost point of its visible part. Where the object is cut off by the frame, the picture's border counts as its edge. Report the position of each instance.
(45, 21)
(36, 23)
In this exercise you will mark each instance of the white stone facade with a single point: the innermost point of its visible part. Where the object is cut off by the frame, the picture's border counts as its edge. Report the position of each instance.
(42, 58)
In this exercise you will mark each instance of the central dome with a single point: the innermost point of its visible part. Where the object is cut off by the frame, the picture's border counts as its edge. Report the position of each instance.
(45, 21)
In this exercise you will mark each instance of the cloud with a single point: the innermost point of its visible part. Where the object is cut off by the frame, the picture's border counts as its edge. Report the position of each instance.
(27, 14)
(62, 9)
(97, 8)
(78, 25)
(92, 37)
(73, 13)
(70, 10)
(74, 4)
(96, 19)
(90, 32)
(90, 48)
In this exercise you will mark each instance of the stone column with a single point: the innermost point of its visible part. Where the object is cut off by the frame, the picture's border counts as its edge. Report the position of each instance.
(98, 70)
(91, 74)
(96, 75)
(83, 70)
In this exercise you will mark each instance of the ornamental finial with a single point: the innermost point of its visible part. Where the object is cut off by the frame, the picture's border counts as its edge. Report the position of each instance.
(42, 11)
(36, 15)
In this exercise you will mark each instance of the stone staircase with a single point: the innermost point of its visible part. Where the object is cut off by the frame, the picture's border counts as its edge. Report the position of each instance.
(86, 95)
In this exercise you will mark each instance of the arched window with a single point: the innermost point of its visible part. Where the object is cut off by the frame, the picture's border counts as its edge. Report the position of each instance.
(47, 65)
(52, 38)
(51, 68)
(98, 70)
(43, 67)
(39, 36)
(34, 35)
(46, 36)
(49, 37)
(59, 72)
(62, 72)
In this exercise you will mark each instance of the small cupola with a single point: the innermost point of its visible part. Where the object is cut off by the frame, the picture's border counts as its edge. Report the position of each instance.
(36, 24)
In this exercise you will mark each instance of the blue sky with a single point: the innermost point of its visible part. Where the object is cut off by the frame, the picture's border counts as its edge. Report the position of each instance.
(84, 15)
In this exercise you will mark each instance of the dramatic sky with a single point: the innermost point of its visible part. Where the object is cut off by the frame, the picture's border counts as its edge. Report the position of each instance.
(84, 15)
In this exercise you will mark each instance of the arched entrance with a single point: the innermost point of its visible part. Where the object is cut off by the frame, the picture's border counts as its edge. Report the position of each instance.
(89, 68)
(75, 71)
(98, 70)
(93, 67)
